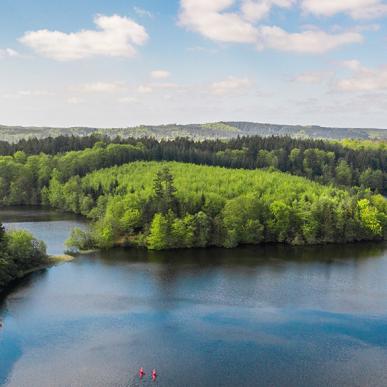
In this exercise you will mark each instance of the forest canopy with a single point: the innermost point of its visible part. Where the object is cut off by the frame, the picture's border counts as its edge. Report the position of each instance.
(181, 193)
(177, 205)
(27, 171)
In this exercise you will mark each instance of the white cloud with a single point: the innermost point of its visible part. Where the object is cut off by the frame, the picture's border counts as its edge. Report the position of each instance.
(258, 9)
(116, 37)
(367, 27)
(365, 80)
(160, 74)
(208, 18)
(143, 12)
(102, 87)
(230, 85)
(310, 41)
(351, 64)
(212, 20)
(357, 9)
(8, 53)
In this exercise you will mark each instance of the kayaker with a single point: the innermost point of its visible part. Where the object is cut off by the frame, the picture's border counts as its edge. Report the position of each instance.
(141, 372)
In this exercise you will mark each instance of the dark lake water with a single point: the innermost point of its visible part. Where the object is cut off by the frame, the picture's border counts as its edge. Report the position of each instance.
(254, 316)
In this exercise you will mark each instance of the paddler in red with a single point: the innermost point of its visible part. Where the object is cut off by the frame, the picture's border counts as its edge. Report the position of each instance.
(141, 372)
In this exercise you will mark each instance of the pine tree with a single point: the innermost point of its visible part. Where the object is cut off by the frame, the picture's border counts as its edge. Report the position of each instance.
(164, 191)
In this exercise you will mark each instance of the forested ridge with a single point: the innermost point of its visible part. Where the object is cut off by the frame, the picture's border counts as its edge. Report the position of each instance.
(347, 164)
(212, 130)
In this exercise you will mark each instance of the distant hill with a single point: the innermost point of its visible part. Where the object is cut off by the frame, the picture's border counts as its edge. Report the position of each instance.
(222, 130)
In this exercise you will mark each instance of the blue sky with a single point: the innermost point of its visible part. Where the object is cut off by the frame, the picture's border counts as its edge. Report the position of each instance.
(121, 63)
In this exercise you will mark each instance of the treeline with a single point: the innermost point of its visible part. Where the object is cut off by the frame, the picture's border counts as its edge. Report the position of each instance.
(348, 164)
(53, 145)
(212, 130)
(19, 252)
(24, 178)
(364, 144)
(186, 205)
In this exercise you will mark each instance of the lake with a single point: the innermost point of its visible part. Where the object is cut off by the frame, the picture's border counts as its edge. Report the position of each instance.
(253, 316)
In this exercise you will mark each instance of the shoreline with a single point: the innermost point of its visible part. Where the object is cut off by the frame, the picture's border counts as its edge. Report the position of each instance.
(52, 260)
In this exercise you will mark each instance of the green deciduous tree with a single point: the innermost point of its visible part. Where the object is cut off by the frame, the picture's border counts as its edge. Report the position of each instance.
(159, 235)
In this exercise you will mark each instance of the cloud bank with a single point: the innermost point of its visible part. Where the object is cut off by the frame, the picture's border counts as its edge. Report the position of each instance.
(116, 36)
(220, 21)
(357, 9)
(363, 79)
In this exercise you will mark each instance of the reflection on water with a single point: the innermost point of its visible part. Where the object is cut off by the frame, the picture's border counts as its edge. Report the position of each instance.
(246, 256)
(267, 316)
(34, 214)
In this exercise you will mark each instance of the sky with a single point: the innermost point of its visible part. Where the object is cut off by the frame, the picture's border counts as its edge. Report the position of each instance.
(119, 63)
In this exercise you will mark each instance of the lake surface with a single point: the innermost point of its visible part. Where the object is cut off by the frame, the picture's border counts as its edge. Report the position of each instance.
(255, 316)
(50, 226)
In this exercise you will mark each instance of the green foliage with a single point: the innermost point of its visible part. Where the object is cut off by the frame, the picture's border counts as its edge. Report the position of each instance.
(34, 179)
(164, 191)
(159, 233)
(220, 127)
(364, 144)
(130, 220)
(343, 173)
(24, 248)
(267, 159)
(373, 179)
(80, 240)
(176, 205)
(19, 252)
(369, 217)
(37, 179)
(281, 222)
(241, 220)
